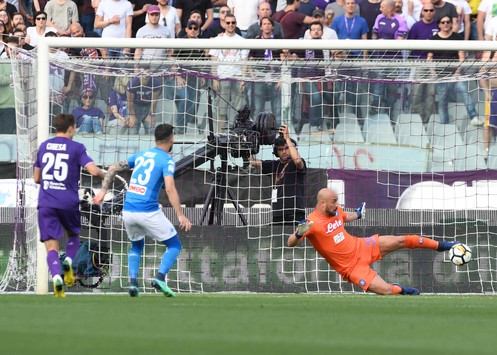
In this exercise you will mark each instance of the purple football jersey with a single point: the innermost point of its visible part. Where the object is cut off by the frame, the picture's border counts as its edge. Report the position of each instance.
(60, 160)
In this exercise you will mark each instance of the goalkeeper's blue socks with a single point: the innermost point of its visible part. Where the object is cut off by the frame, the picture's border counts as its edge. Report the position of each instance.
(443, 246)
(134, 258)
(170, 256)
(53, 262)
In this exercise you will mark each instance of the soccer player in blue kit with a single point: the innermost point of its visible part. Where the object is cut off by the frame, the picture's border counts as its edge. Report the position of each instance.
(57, 170)
(142, 215)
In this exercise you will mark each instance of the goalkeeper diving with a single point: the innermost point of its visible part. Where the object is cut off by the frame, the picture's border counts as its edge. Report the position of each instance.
(351, 256)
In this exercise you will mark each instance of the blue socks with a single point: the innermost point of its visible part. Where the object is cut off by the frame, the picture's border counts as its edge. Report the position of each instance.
(134, 258)
(169, 257)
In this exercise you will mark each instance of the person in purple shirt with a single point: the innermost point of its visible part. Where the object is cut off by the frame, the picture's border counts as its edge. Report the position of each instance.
(388, 25)
(57, 170)
(423, 95)
(89, 119)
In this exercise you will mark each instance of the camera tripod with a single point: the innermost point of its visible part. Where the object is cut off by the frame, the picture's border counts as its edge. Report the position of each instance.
(219, 192)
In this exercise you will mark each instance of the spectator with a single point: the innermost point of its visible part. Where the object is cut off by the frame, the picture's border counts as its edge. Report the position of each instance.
(17, 19)
(265, 88)
(184, 7)
(254, 30)
(40, 30)
(168, 17)
(142, 94)
(444, 8)
(20, 34)
(490, 88)
(328, 33)
(76, 30)
(388, 25)
(370, 10)
(5, 18)
(306, 7)
(423, 95)
(288, 174)
(115, 18)
(246, 13)
(216, 29)
(89, 119)
(152, 29)
(3, 31)
(7, 97)
(86, 15)
(60, 15)
(292, 22)
(485, 14)
(196, 17)
(118, 103)
(188, 86)
(229, 90)
(8, 7)
(463, 17)
(28, 10)
(139, 14)
(442, 90)
(409, 19)
(338, 8)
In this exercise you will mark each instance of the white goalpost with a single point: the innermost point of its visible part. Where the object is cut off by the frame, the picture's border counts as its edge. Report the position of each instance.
(364, 127)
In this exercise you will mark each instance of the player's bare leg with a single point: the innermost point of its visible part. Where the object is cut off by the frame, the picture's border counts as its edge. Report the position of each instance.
(381, 287)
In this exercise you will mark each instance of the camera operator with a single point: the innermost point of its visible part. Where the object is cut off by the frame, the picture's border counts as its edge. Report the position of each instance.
(288, 179)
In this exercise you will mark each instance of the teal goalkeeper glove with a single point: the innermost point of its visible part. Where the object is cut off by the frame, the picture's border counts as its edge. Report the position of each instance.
(303, 227)
(361, 211)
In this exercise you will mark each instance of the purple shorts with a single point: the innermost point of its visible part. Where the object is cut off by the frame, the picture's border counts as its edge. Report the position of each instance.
(492, 121)
(52, 223)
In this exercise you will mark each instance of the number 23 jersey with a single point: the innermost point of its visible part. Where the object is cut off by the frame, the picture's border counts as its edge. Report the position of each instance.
(149, 169)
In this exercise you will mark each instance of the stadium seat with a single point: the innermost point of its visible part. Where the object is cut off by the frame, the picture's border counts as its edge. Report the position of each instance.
(371, 119)
(380, 132)
(469, 157)
(473, 135)
(492, 157)
(409, 118)
(411, 133)
(102, 105)
(349, 132)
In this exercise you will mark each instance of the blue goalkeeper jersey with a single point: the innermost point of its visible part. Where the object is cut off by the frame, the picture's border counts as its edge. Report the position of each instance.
(149, 169)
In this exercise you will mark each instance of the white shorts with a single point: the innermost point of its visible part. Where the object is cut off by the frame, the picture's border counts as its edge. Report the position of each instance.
(154, 224)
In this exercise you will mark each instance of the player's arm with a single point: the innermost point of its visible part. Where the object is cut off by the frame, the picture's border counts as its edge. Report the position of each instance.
(172, 195)
(302, 228)
(93, 169)
(359, 213)
(109, 177)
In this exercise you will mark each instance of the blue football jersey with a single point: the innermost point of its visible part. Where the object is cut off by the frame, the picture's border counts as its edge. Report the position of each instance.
(149, 169)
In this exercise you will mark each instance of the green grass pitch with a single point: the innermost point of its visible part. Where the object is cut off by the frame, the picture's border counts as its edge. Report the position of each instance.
(248, 324)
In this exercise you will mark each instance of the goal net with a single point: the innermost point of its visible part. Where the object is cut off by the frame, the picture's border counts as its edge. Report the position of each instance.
(403, 134)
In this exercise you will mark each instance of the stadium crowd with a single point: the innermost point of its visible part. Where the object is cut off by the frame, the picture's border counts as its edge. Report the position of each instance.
(23, 22)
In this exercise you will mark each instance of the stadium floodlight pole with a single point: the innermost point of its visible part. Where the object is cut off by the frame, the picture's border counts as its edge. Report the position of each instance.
(43, 134)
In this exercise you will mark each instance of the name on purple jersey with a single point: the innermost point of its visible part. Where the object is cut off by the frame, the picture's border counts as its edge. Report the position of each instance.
(56, 146)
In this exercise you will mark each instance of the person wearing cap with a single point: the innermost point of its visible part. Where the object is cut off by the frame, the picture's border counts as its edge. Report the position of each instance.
(194, 16)
(328, 33)
(152, 29)
(168, 17)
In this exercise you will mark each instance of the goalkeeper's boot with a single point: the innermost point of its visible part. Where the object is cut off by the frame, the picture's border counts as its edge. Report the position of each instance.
(408, 290)
(68, 273)
(133, 291)
(58, 287)
(162, 286)
(443, 246)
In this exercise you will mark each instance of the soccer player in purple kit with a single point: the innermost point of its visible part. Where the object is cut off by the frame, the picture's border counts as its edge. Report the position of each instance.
(57, 170)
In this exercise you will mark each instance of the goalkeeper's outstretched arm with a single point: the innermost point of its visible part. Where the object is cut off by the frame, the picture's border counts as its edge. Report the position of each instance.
(302, 228)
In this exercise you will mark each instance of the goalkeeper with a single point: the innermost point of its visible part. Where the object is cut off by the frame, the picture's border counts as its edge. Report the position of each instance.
(350, 256)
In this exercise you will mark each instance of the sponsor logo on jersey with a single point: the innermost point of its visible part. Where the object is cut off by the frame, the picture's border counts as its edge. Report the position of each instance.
(137, 189)
(149, 154)
(334, 225)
